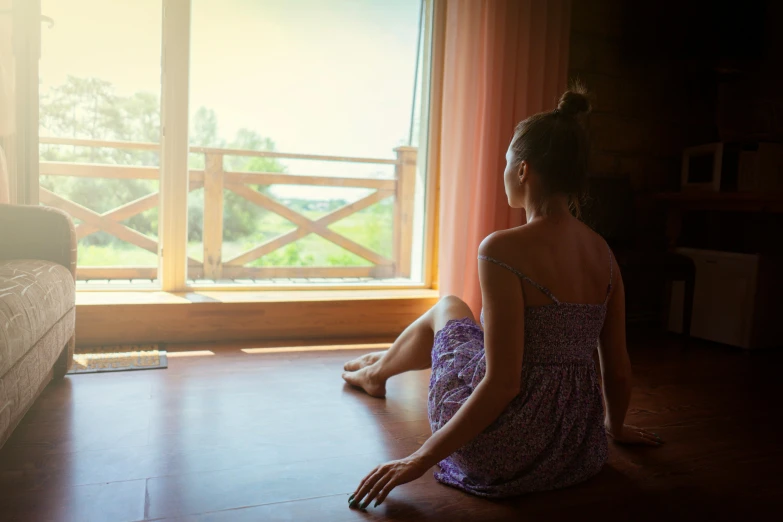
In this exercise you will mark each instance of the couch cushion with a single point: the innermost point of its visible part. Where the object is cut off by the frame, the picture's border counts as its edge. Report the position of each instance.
(34, 295)
(22, 383)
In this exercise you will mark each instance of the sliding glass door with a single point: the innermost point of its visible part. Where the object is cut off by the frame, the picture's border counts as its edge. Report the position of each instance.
(294, 150)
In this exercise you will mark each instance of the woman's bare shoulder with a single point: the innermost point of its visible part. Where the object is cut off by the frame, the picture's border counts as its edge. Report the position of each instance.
(532, 239)
(507, 242)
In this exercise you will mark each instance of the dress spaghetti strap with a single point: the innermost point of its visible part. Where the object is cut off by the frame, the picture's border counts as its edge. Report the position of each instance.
(544, 290)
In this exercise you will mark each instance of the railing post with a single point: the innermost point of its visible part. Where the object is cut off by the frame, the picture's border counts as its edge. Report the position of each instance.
(405, 174)
(212, 229)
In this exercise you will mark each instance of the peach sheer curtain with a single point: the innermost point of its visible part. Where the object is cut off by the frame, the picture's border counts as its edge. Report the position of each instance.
(504, 61)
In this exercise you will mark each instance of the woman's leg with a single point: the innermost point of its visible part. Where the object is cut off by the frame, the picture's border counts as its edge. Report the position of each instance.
(411, 351)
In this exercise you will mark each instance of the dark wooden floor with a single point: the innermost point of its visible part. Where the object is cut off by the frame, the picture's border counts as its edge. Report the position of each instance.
(247, 437)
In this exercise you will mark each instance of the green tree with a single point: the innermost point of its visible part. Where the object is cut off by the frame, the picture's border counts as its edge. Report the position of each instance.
(88, 108)
(204, 131)
(241, 218)
(247, 216)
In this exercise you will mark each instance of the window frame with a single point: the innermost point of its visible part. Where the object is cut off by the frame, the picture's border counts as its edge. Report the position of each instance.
(174, 180)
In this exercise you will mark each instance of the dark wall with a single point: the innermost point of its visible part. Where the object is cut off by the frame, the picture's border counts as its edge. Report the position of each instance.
(749, 106)
(750, 101)
(665, 75)
(646, 106)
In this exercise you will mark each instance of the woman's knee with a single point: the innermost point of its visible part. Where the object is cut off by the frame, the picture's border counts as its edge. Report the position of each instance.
(450, 307)
(451, 301)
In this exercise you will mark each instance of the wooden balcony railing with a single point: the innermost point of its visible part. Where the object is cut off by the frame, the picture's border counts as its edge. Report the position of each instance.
(214, 179)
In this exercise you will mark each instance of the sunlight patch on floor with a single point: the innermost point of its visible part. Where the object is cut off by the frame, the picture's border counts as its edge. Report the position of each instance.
(324, 348)
(191, 353)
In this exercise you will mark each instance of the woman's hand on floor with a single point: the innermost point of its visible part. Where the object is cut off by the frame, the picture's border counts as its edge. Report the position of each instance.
(633, 435)
(380, 481)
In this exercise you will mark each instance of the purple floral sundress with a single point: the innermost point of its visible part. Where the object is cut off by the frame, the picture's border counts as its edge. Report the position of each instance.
(552, 434)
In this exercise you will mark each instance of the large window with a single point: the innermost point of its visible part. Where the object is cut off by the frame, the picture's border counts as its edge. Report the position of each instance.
(307, 141)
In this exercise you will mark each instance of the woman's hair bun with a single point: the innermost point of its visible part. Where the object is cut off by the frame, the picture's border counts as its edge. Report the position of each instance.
(574, 101)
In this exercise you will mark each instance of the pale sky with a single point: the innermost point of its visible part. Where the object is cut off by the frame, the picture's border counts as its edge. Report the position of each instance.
(317, 76)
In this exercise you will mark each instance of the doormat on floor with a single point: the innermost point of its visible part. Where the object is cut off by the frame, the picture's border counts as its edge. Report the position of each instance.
(120, 358)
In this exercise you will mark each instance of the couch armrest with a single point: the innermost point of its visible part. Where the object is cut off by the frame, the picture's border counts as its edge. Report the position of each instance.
(31, 232)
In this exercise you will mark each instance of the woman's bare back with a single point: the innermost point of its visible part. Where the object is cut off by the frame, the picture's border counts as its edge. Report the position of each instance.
(564, 256)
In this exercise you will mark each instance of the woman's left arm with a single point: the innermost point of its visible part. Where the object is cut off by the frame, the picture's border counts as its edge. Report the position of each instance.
(503, 302)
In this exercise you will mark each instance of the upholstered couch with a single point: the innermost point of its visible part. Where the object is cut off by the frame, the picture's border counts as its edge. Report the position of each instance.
(37, 305)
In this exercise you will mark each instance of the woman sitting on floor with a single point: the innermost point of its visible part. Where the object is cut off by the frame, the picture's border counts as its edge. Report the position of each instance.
(514, 401)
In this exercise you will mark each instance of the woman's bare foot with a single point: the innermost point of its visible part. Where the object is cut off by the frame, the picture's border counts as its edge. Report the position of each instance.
(365, 360)
(365, 380)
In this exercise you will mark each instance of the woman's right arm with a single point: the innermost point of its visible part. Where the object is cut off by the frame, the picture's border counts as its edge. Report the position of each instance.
(616, 370)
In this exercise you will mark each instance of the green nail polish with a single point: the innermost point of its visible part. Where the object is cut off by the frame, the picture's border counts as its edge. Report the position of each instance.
(366, 503)
(350, 499)
(377, 503)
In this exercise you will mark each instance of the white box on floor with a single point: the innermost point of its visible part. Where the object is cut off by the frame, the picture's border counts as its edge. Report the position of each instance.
(734, 299)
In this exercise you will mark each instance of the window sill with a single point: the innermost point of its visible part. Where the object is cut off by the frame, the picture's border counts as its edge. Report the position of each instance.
(212, 316)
